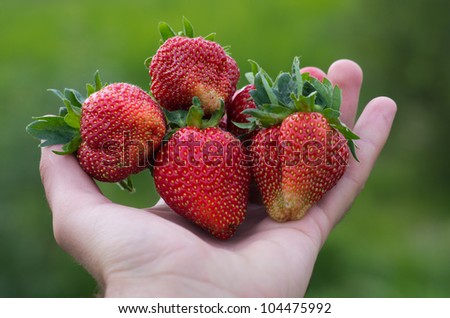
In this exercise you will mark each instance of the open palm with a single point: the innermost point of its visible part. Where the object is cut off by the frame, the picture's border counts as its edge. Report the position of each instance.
(155, 252)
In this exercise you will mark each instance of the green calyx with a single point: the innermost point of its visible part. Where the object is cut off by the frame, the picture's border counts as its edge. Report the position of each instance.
(290, 93)
(194, 117)
(168, 32)
(63, 128)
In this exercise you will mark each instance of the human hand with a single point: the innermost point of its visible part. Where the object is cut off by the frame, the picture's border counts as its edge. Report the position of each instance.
(157, 253)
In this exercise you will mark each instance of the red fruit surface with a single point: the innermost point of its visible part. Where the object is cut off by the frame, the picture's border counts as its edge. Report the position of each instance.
(266, 168)
(296, 163)
(121, 125)
(233, 72)
(200, 174)
(186, 67)
(241, 100)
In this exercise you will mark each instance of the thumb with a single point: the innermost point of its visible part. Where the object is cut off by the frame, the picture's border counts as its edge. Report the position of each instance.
(69, 191)
(66, 185)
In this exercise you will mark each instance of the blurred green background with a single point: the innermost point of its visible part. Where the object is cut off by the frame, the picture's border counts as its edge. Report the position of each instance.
(395, 240)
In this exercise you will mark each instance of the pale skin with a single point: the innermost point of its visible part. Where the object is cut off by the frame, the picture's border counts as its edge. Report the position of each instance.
(156, 253)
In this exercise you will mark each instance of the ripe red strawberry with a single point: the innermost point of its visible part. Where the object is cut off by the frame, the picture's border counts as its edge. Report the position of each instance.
(241, 100)
(113, 131)
(184, 67)
(200, 174)
(303, 149)
(121, 125)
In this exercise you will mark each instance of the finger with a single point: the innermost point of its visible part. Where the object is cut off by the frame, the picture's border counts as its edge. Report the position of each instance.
(79, 209)
(348, 76)
(314, 72)
(67, 186)
(373, 128)
(70, 192)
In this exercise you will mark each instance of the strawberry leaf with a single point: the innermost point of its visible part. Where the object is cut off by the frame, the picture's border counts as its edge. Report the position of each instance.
(73, 113)
(264, 118)
(127, 185)
(279, 110)
(329, 96)
(352, 146)
(72, 119)
(254, 67)
(269, 91)
(285, 86)
(57, 93)
(188, 30)
(176, 118)
(304, 103)
(250, 77)
(259, 94)
(296, 76)
(246, 126)
(98, 82)
(194, 116)
(336, 98)
(331, 113)
(322, 90)
(51, 130)
(343, 129)
(75, 98)
(148, 61)
(98, 85)
(70, 147)
(62, 111)
(191, 118)
(90, 89)
(166, 31)
(215, 118)
(308, 88)
(210, 37)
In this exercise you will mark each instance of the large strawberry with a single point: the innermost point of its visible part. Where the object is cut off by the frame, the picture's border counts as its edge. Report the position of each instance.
(113, 131)
(201, 172)
(186, 66)
(303, 148)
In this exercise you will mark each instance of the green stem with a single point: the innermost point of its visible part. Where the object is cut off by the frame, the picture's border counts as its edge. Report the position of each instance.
(127, 185)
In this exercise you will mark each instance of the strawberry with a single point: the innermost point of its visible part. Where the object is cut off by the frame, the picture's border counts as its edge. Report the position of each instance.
(200, 173)
(121, 125)
(302, 149)
(237, 119)
(185, 66)
(113, 131)
(241, 100)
